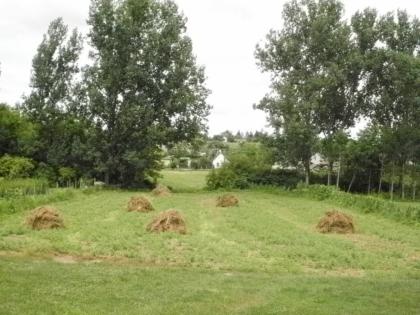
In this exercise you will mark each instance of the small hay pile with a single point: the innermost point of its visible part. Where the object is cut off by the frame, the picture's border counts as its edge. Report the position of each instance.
(227, 200)
(45, 217)
(170, 220)
(139, 204)
(336, 222)
(161, 191)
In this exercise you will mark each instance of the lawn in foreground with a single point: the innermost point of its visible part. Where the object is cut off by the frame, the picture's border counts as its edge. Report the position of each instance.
(263, 257)
(44, 287)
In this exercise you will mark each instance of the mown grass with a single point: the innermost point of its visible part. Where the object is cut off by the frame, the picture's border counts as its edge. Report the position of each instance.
(262, 257)
(184, 181)
(41, 287)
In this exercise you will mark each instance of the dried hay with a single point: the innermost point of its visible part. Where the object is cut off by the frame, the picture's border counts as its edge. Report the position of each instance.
(45, 217)
(336, 222)
(227, 200)
(170, 220)
(139, 204)
(161, 191)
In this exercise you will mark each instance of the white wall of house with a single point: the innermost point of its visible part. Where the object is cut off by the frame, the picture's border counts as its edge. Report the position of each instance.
(219, 160)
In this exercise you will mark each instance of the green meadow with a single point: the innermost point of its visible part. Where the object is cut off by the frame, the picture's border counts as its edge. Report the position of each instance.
(264, 256)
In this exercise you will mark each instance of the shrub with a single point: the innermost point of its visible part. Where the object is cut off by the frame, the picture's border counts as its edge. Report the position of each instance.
(67, 174)
(15, 167)
(245, 164)
(226, 178)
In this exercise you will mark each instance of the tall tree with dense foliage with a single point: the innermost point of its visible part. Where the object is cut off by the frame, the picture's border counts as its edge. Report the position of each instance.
(53, 71)
(390, 45)
(144, 87)
(315, 71)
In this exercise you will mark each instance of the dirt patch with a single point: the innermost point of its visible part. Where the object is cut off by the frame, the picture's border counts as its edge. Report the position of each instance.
(161, 191)
(227, 200)
(45, 217)
(340, 272)
(170, 220)
(65, 259)
(139, 204)
(336, 222)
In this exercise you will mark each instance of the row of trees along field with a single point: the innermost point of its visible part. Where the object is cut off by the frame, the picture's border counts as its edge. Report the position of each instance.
(141, 90)
(327, 73)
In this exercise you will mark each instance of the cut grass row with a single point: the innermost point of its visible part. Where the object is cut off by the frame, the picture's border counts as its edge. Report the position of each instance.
(266, 233)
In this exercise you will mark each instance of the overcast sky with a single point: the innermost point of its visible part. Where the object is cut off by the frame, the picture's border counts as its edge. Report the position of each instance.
(224, 34)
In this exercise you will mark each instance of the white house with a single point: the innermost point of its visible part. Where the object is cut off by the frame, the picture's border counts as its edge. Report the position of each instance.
(219, 160)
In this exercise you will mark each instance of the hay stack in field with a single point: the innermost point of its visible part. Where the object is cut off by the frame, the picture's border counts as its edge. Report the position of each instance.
(168, 221)
(227, 200)
(45, 217)
(139, 204)
(161, 191)
(336, 222)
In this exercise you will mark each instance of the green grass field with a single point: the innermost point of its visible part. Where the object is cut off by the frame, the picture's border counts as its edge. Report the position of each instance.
(262, 257)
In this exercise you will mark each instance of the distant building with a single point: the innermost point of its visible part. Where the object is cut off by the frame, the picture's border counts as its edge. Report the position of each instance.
(219, 160)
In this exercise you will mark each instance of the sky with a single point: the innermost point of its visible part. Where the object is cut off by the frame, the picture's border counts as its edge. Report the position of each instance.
(224, 35)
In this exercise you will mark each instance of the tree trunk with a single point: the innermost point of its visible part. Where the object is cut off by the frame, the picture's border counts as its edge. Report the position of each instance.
(392, 182)
(414, 190)
(337, 184)
(307, 172)
(369, 181)
(381, 174)
(402, 180)
(351, 182)
(330, 170)
(107, 177)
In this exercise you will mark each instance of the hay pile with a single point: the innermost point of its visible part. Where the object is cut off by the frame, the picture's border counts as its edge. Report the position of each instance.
(161, 191)
(139, 204)
(45, 217)
(170, 220)
(336, 222)
(227, 200)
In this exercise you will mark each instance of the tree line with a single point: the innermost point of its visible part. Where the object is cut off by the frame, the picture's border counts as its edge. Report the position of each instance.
(109, 119)
(327, 73)
(143, 91)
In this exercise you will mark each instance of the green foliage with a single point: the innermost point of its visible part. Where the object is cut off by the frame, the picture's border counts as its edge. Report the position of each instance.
(15, 167)
(226, 178)
(67, 174)
(244, 164)
(16, 204)
(315, 74)
(366, 204)
(16, 132)
(144, 87)
(10, 188)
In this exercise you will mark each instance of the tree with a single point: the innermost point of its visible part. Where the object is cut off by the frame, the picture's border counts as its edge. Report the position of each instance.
(16, 133)
(47, 106)
(391, 82)
(144, 87)
(333, 148)
(315, 72)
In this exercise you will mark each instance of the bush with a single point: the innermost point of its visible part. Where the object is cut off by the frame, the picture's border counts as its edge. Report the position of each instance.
(15, 167)
(67, 174)
(46, 172)
(226, 178)
(245, 164)
(277, 177)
